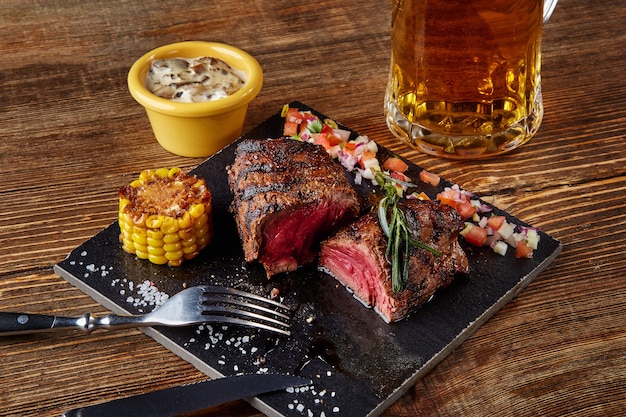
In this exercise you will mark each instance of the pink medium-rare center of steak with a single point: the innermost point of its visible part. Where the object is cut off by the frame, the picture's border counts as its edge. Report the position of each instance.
(288, 195)
(291, 236)
(355, 256)
(358, 272)
(348, 256)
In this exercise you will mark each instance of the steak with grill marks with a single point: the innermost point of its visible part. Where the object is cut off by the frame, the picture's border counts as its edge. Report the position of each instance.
(355, 256)
(288, 195)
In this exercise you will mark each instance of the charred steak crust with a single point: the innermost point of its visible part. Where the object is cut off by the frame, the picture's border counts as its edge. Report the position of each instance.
(288, 195)
(356, 257)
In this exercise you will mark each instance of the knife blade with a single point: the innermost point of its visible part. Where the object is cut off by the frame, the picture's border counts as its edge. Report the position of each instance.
(189, 398)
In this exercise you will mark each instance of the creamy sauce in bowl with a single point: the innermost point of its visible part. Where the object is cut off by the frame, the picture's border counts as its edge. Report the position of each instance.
(193, 80)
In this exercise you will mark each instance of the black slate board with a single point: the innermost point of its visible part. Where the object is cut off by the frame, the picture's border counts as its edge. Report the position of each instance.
(359, 365)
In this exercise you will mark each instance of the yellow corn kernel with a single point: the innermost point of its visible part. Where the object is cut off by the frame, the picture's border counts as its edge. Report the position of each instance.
(158, 259)
(203, 242)
(201, 221)
(202, 230)
(128, 246)
(154, 234)
(154, 243)
(126, 226)
(173, 172)
(189, 249)
(191, 240)
(139, 236)
(155, 251)
(186, 234)
(171, 238)
(172, 247)
(162, 172)
(169, 226)
(154, 221)
(186, 221)
(174, 256)
(196, 210)
(145, 176)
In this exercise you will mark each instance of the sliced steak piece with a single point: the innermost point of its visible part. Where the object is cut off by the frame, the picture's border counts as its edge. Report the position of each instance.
(288, 195)
(355, 256)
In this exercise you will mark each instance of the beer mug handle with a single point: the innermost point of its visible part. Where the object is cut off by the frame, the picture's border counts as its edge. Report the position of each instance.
(548, 8)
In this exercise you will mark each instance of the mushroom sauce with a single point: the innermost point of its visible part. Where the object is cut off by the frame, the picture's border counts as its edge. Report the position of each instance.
(192, 80)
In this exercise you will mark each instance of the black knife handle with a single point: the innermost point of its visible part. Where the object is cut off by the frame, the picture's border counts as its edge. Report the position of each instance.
(24, 323)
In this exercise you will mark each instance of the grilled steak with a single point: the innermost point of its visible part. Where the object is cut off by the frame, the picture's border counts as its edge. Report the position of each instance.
(356, 257)
(288, 196)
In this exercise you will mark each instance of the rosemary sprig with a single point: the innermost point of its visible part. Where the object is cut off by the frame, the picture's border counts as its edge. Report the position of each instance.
(393, 223)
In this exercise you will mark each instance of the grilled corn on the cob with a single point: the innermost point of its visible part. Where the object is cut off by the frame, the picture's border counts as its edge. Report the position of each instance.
(165, 216)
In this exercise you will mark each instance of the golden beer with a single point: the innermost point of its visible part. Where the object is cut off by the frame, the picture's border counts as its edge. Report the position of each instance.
(465, 75)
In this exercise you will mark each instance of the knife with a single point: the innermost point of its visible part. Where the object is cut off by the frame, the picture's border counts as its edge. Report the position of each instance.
(190, 398)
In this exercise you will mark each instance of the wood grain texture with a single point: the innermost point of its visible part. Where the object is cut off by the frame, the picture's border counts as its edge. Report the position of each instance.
(71, 135)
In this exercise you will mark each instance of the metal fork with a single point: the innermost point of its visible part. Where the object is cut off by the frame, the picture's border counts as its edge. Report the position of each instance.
(195, 305)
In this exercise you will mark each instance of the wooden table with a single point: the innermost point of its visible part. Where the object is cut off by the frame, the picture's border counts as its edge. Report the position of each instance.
(72, 135)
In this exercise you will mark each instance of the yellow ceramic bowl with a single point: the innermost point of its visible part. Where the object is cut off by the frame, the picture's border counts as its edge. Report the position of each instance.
(196, 129)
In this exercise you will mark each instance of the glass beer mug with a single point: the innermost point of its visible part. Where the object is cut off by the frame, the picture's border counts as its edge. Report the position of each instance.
(465, 75)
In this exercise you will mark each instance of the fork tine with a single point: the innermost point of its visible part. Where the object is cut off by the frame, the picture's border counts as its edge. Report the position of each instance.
(249, 323)
(215, 289)
(239, 307)
(211, 299)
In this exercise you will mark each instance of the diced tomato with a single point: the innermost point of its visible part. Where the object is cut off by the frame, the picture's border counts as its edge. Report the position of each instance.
(429, 178)
(294, 115)
(522, 250)
(333, 139)
(474, 234)
(290, 129)
(460, 202)
(446, 200)
(465, 209)
(322, 139)
(326, 128)
(495, 222)
(395, 164)
(399, 176)
(447, 196)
